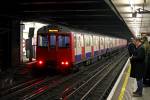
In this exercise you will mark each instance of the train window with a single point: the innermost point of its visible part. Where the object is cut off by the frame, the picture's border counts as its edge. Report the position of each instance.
(88, 42)
(82, 42)
(42, 40)
(75, 44)
(63, 41)
(79, 41)
(52, 41)
(94, 40)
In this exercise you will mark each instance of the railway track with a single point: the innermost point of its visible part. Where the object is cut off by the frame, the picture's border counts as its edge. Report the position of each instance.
(70, 85)
(18, 86)
(86, 89)
(21, 91)
(101, 90)
(57, 87)
(58, 83)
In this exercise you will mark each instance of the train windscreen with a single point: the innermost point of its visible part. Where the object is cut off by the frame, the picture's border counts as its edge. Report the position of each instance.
(43, 40)
(52, 41)
(63, 41)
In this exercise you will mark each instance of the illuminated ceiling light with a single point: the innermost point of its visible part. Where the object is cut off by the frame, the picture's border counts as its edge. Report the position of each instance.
(134, 12)
(36, 25)
(132, 5)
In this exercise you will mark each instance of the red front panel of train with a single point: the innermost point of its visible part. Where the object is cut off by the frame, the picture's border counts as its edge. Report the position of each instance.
(45, 55)
(55, 51)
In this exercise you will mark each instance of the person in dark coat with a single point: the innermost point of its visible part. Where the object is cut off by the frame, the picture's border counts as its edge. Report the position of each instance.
(147, 55)
(131, 50)
(139, 63)
(131, 47)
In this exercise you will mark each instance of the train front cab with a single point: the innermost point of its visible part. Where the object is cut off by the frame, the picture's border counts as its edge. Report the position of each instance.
(54, 51)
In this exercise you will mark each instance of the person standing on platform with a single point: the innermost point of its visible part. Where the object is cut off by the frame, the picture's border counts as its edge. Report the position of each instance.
(131, 47)
(147, 55)
(139, 63)
(131, 50)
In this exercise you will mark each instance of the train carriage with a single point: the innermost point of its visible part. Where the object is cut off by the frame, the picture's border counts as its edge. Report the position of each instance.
(63, 48)
(54, 49)
(96, 47)
(102, 44)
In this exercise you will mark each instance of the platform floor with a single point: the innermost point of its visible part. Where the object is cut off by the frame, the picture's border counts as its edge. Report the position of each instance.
(132, 87)
(125, 87)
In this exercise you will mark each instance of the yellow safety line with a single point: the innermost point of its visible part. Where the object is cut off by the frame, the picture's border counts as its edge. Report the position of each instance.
(124, 84)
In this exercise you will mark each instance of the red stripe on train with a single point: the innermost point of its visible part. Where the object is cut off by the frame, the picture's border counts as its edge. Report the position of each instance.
(83, 53)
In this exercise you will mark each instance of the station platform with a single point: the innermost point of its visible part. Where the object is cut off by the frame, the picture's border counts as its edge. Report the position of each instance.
(125, 86)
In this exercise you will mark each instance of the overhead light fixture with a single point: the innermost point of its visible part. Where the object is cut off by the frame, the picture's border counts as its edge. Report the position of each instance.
(134, 12)
(132, 5)
(143, 11)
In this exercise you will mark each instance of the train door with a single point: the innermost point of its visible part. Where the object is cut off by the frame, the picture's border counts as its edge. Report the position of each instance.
(63, 50)
(96, 45)
(79, 49)
(88, 45)
(52, 48)
(82, 46)
(46, 47)
(102, 46)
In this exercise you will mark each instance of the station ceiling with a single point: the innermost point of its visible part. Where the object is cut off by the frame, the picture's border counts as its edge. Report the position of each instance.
(92, 15)
(136, 14)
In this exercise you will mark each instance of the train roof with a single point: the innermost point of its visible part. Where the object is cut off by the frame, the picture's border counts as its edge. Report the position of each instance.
(61, 28)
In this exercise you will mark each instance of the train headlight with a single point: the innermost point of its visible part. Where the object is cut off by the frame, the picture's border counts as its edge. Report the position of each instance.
(40, 62)
(66, 63)
(62, 63)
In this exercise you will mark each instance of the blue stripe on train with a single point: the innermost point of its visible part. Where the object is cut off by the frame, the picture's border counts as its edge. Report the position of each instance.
(88, 55)
(78, 57)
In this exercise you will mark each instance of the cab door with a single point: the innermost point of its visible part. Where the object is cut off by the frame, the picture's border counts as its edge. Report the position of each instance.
(52, 48)
(46, 49)
(63, 50)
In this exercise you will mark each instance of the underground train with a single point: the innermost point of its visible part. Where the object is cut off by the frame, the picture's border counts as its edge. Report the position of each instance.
(64, 48)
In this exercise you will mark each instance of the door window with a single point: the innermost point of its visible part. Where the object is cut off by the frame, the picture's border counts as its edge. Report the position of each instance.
(52, 41)
(63, 41)
(43, 40)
